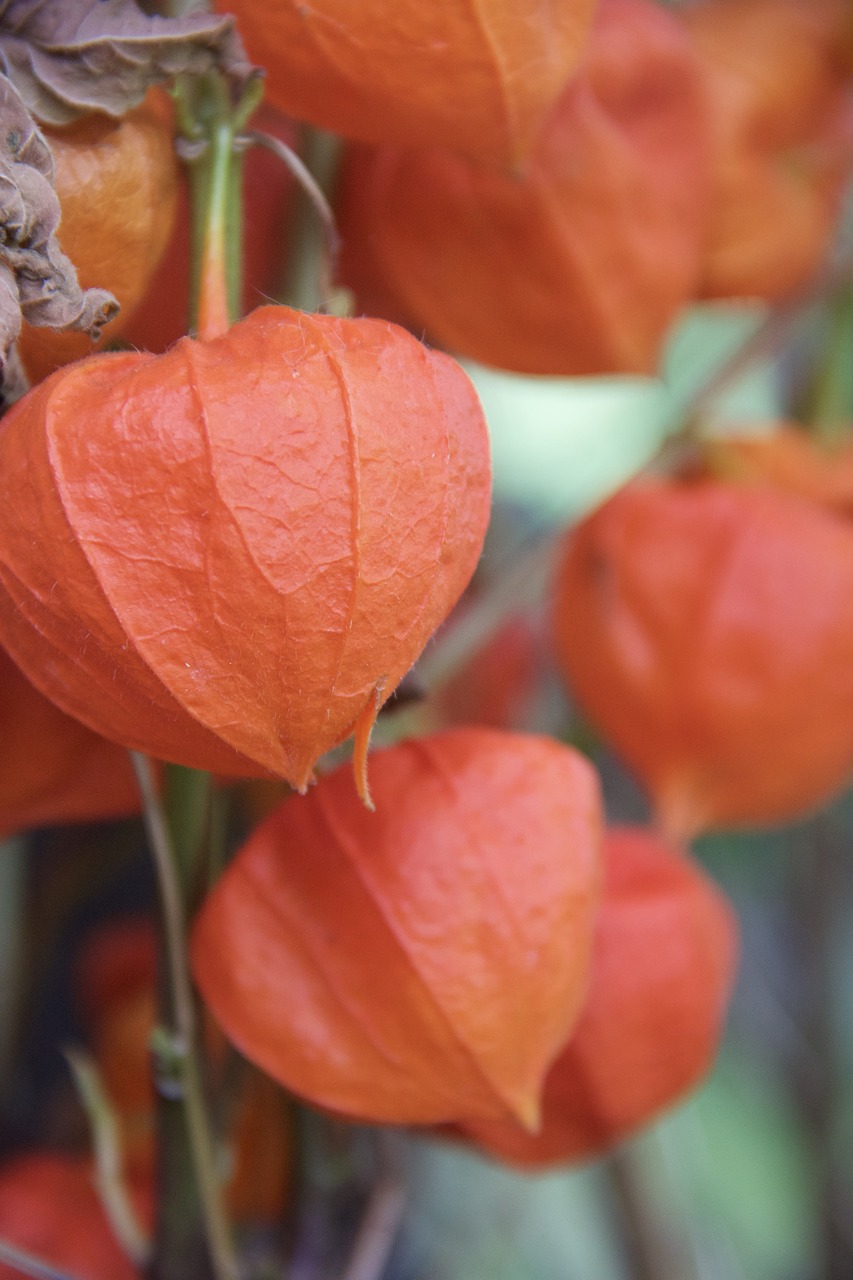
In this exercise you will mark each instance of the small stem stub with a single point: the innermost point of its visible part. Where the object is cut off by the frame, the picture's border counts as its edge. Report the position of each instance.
(169, 1054)
(214, 308)
(329, 296)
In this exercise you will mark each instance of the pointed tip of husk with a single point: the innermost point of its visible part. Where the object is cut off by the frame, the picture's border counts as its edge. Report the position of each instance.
(527, 1110)
(304, 783)
(679, 812)
(363, 729)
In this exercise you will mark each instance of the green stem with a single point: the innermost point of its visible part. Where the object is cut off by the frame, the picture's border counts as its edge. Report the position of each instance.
(313, 260)
(832, 398)
(13, 870)
(764, 344)
(822, 896)
(307, 283)
(210, 125)
(188, 799)
(212, 235)
(181, 1045)
(657, 1244)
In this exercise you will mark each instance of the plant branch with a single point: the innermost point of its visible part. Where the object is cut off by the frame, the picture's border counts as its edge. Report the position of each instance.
(317, 197)
(656, 1250)
(823, 896)
(767, 340)
(378, 1232)
(522, 584)
(313, 236)
(109, 1165)
(29, 1265)
(184, 1059)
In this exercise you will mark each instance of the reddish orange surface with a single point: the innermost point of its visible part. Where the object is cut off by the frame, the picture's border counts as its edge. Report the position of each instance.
(662, 969)
(707, 631)
(475, 75)
(224, 555)
(52, 768)
(423, 962)
(783, 139)
(578, 262)
(49, 1207)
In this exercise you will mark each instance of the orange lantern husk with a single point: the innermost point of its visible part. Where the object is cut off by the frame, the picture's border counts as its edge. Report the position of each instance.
(225, 555)
(52, 768)
(424, 962)
(49, 1207)
(706, 630)
(662, 970)
(782, 116)
(117, 182)
(578, 262)
(477, 79)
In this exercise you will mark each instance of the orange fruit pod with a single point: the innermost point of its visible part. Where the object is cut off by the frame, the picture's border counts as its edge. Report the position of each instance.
(52, 768)
(786, 458)
(662, 968)
(117, 182)
(227, 556)
(425, 962)
(49, 1208)
(578, 262)
(782, 117)
(707, 631)
(475, 78)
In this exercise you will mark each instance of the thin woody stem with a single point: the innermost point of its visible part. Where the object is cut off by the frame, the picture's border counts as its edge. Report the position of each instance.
(184, 1025)
(26, 1264)
(320, 204)
(109, 1163)
(312, 242)
(380, 1226)
(767, 340)
(656, 1247)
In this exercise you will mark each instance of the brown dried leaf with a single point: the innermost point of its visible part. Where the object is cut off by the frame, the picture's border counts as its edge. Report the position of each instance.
(36, 279)
(14, 382)
(67, 57)
(10, 309)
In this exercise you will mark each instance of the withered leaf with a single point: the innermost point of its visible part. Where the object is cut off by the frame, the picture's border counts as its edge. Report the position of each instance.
(14, 383)
(37, 281)
(67, 57)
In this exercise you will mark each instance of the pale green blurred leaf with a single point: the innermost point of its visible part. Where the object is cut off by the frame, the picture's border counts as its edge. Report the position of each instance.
(707, 336)
(561, 445)
(740, 1155)
(474, 1220)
